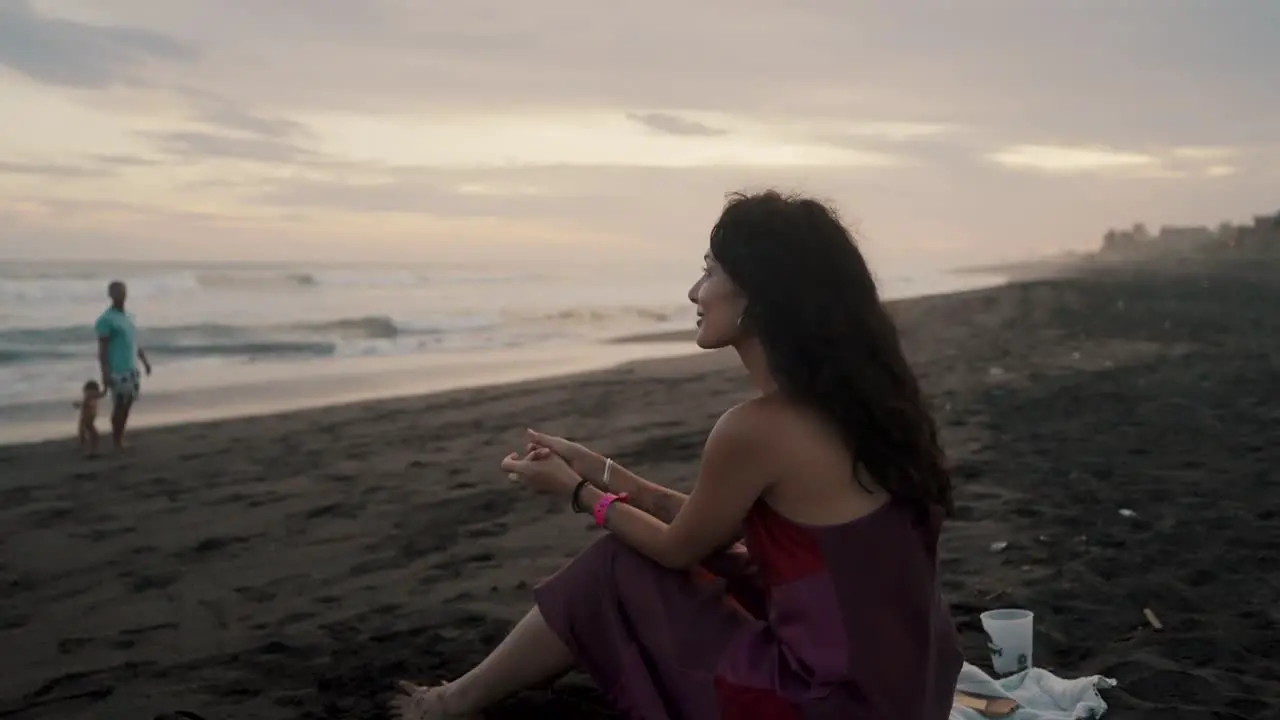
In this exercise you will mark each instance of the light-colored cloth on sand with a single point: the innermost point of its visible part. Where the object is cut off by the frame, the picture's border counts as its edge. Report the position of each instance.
(1040, 694)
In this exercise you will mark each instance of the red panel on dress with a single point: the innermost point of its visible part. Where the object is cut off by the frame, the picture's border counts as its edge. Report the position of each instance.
(746, 703)
(783, 550)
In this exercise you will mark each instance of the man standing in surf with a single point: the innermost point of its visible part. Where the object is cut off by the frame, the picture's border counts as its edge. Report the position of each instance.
(118, 353)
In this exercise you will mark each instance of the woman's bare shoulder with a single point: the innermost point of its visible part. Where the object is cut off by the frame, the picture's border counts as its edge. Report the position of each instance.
(773, 424)
(744, 422)
(763, 415)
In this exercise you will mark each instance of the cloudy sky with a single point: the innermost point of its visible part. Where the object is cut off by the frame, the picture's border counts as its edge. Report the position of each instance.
(946, 131)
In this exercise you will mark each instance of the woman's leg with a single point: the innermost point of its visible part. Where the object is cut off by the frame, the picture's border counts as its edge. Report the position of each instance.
(650, 637)
(530, 655)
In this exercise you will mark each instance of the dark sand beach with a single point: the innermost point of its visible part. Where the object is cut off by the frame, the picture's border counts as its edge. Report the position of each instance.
(293, 566)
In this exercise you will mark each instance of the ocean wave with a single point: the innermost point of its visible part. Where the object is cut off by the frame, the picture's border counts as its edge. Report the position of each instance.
(363, 335)
(368, 327)
(19, 354)
(85, 286)
(602, 315)
(258, 280)
(209, 339)
(280, 348)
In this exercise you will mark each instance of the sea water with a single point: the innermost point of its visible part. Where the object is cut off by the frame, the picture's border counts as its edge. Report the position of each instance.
(219, 334)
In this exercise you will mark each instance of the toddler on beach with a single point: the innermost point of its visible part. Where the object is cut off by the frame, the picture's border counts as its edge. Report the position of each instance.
(87, 431)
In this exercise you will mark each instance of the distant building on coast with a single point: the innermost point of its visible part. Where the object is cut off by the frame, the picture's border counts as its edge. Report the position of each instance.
(1260, 238)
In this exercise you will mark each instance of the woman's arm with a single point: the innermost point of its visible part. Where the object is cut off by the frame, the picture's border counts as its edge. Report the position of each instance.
(731, 478)
(660, 502)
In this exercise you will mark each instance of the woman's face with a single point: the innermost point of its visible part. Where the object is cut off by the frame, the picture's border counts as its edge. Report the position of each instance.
(720, 306)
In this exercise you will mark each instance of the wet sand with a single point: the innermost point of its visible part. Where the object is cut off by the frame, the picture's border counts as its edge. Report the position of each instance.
(292, 566)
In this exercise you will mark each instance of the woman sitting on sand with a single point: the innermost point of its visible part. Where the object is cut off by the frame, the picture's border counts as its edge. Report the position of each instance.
(832, 476)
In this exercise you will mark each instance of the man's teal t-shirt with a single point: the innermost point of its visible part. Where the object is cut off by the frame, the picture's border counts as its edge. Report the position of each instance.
(117, 327)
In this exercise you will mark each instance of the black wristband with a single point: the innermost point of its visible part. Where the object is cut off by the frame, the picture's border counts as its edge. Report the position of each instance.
(577, 490)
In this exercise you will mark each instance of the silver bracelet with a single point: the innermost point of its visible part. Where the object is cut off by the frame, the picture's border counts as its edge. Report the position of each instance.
(608, 472)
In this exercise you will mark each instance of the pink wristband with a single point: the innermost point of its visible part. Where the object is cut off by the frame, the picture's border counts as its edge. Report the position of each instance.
(601, 509)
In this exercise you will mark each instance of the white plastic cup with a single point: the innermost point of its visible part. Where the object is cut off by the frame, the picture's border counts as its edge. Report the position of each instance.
(1009, 634)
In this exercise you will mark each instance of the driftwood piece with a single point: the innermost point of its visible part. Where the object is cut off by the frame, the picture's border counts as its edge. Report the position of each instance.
(1151, 618)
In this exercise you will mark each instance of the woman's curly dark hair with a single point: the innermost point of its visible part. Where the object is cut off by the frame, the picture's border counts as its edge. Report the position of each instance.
(830, 344)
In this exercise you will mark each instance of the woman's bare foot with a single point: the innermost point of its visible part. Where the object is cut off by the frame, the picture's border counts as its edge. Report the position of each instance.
(415, 702)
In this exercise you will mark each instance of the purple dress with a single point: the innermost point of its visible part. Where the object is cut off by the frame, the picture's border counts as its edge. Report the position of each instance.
(842, 621)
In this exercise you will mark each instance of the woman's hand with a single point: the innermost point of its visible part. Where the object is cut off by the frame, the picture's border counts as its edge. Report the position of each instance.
(542, 470)
(583, 461)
